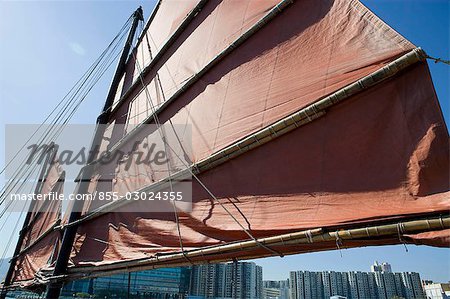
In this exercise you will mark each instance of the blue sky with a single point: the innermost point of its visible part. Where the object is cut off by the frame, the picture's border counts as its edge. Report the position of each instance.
(46, 46)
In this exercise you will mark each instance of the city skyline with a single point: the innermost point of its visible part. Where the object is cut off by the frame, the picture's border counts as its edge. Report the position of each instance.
(355, 285)
(344, 260)
(281, 277)
(244, 280)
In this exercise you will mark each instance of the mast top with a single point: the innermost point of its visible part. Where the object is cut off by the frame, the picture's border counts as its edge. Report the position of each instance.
(139, 14)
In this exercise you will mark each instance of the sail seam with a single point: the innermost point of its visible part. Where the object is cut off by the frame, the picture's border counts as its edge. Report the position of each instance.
(161, 52)
(166, 144)
(52, 228)
(304, 237)
(283, 126)
(196, 77)
(377, 22)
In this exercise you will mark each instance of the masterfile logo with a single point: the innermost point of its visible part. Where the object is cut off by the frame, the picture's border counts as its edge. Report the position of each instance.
(124, 163)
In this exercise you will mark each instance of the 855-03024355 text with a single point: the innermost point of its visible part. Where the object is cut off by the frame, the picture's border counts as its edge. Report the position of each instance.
(102, 196)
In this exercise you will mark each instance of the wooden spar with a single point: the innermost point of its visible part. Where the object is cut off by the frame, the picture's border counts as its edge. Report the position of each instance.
(149, 21)
(281, 127)
(196, 77)
(212, 254)
(42, 176)
(54, 289)
(187, 20)
(197, 168)
(120, 69)
(32, 221)
(38, 239)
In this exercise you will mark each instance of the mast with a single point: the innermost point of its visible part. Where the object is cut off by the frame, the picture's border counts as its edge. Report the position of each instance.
(54, 288)
(51, 154)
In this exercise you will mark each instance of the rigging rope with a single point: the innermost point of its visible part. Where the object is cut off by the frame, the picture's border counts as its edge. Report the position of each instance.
(7, 217)
(67, 107)
(11, 237)
(70, 104)
(158, 124)
(24, 168)
(156, 119)
(64, 98)
(436, 60)
(34, 168)
(56, 134)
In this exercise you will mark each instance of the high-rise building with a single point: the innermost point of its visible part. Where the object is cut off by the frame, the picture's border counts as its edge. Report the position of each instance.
(241, 280)
(437, 290)
(362, 281)
(276, 289)
(355, 285)
(380, 286)
(408, 286)
(386, 267)
(306, 284)
(383, 267)
(271, 293)
(293, 285)
(416, 285)
(209, 280)
(284, 289)
(389, 283)
(399, 287)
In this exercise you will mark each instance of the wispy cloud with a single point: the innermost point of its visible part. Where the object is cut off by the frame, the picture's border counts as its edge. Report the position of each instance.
(77, 48)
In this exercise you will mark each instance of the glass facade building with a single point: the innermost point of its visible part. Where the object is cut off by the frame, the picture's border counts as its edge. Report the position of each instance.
(165, 283)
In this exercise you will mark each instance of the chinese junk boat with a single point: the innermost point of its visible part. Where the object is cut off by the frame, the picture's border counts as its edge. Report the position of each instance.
(313, 126)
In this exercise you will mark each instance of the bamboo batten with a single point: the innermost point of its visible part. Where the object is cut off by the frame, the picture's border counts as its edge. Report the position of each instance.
(38, 239)
(187, 20)
(285, 219)
(283, 126)
(197, 76)
(311, 112)
(213, 254)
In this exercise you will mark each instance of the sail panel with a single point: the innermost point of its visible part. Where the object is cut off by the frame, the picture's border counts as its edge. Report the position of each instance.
(164, 21)
(45, 213)
(37, 258)
(215, 27)
(41, 240)
(439, 238)
(281, 68)
(168, 18)
(380, 156)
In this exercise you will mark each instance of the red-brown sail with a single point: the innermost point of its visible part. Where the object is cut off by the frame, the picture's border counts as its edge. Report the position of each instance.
(41, 241)
(314, 126)
(380, 156)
